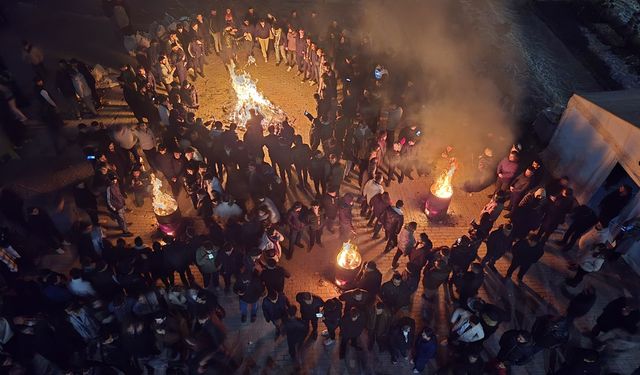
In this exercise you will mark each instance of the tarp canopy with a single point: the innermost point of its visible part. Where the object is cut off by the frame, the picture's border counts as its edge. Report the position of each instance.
(596, 131)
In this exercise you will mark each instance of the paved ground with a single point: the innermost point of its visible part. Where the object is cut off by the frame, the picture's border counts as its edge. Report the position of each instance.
(311, 271)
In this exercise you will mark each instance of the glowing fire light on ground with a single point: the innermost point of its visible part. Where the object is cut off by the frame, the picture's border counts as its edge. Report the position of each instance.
(443, 187)
(163, 204)
(349, 258)
(249, 97)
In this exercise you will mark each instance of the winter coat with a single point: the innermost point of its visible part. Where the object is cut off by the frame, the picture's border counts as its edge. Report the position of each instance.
(395, 296)
(274, 311)
(330, 206)
(392, 220)
(406, 241)
(274, 278)
(434, 277)
(370, 280)
(350, 329)
(397, 339)
(498, 243)
(379, 205)
(378, 325)
(206, 259)
(249, 288)
(525, 254)
(513, 351)
(308, 312)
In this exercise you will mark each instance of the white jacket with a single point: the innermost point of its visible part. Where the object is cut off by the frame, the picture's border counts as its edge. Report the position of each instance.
(371, 189)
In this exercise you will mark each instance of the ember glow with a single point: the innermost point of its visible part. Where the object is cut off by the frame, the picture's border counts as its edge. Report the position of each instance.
(349, 258)
(249, 97)
(443, 188)
(163, 204)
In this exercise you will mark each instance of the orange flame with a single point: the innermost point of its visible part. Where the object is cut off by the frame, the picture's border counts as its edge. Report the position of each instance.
(349, 257)
(163, 204)
(249, 97)
(443, 188)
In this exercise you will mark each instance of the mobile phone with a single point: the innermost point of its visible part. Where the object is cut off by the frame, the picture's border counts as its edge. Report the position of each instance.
(210, 256)
(91, 157)
(319, 315)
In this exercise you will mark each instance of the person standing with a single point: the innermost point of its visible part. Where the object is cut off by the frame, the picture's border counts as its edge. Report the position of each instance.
(196, 54)
(393, 221)
(86, 201)
(425, 349)
(315, 222)
(506, 171)
(34, 56)
(345, 217)
(401, 338)
(395, 293)
(498, 243)
(296, 331)
(331, 315)
(319, 172)
(214, 22)
(618, 313)
(330, 203)
(556, 211)
(275, 308)
(49, 113)
(296, 228)
(249, 289)
(371, 188)
(83, 91)
(117, 205)
(279, 42)
(352, 325)
(406, 242)
(526, 252)
(310, 305)
(518, 188)
(67, 90)
(290, 48)
(379, 321)
(370, 278)
(583, 219)
(206, 260)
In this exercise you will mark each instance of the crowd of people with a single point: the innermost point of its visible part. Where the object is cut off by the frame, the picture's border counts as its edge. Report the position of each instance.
(121, 310)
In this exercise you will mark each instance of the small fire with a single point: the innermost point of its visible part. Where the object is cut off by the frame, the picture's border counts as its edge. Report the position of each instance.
(443, 188)
(349, 257)
(249, 97)
(163, 204)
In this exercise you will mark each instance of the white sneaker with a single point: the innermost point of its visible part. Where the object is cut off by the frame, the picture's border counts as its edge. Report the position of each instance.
(328, 342)
(415, 371)
(288, 69)
(324, 333)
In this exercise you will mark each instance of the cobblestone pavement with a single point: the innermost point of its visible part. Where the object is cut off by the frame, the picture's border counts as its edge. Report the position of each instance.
(312, 271)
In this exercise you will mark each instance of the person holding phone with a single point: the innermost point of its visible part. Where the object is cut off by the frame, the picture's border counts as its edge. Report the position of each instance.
(310, 305)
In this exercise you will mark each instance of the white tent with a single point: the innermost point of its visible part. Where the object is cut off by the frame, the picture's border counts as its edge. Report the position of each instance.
(596, 131)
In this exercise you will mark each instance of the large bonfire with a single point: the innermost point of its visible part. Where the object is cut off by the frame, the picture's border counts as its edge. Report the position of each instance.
(163, 204)
(249, 97)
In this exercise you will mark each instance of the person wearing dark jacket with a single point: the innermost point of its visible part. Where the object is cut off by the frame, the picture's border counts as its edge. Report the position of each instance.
(379, 203)
(178, 257)
(370, 278)
(329, 205)
(516, 347)
(315, 223)
(275, 308)
(470, 282)
(229, 261)
(379, 319)
(526, 252)
(301, 156)
(249, 289)
(359, 298)
(273, 276)
(310, 305)
(581, 303)
(555, 213)
(352, 325)
(319, 172)
(498, 243)
(519, 187)
(583, 218)
(551, 331)
(395, 293)
(345, 216)
(401, 338)
(336, 173)
(435, 274)
(423, 252)
(582, 362)
(296, 228)
(392, 219)
(613, 203)
(86, 201)
(617, 314)
(41, 227)
(424, 349)
(331, 315)
(296, 330)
